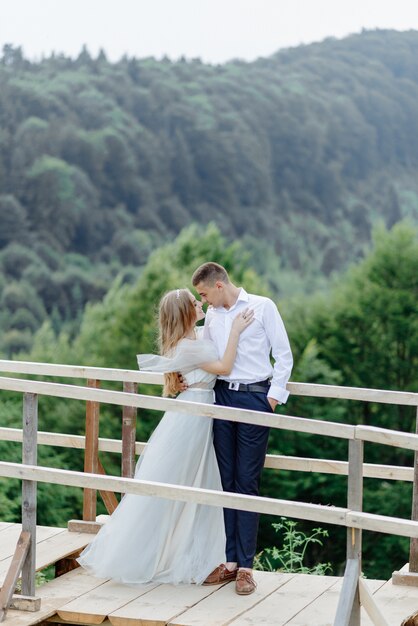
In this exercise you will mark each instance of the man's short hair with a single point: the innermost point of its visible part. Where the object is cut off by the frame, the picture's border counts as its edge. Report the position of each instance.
(209, 273)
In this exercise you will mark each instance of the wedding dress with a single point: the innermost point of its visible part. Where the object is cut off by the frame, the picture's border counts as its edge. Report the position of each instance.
(154, 539)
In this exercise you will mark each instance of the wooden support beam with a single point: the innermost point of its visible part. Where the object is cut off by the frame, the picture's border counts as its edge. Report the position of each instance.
(348, 610)
(67, 564)
(128, 434)
(413, 550)
(91, 457)
(29, 489)
(9, 585)
(349, 591)
(108, 497)
(355, 503)
(411, 577)
(370, 605)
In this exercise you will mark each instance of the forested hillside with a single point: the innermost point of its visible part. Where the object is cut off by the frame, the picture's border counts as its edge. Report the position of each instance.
(297, 154)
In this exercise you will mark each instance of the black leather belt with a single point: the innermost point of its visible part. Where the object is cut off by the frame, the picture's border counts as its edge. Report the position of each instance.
(258, 387)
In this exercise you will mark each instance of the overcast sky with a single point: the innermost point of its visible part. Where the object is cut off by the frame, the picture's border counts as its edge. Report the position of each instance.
(214, 30)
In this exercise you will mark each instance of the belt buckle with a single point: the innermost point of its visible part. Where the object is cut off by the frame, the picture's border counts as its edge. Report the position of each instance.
(233, 386)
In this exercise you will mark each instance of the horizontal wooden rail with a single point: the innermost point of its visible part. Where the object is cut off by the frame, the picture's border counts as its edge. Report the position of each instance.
(273, 461)
(382, 396)
(76, 371)
(295, 388)
(285, 422)
(339, 468)
(314, 512)
(61, 440)
(120, 398)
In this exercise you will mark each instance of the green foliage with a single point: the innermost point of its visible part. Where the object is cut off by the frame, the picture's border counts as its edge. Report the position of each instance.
(13, 221)
(362, 332)
(300, 153)
(15, 258)
(292, 555)
(62, 197)
(125, 324)
(375, 306)
(40, 578)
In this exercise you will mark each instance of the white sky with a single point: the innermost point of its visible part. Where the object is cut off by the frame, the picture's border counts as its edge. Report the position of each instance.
(214, 30)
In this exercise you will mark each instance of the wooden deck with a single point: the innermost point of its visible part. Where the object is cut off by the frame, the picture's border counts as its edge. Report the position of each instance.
(52, 544)
(280, 599)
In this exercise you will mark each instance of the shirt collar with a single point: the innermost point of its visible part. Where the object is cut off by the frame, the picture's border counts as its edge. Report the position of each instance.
(242, 297)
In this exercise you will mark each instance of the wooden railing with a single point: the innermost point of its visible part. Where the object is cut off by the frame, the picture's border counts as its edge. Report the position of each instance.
(351, 517)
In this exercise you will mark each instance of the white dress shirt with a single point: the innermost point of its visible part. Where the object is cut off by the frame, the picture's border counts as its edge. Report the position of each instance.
(265, 335)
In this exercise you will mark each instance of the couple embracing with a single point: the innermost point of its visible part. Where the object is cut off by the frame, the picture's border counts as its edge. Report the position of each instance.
(154, 539)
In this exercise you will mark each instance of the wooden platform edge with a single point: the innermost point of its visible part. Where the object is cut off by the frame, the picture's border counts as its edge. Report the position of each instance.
(81, 526)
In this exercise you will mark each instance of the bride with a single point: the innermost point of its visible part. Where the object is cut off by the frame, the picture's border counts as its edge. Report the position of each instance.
(154, 539)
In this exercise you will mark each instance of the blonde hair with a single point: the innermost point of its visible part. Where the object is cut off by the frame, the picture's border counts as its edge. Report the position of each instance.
(176, 317)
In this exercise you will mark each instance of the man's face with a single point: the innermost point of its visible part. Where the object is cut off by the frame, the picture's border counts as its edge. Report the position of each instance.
(212, 294)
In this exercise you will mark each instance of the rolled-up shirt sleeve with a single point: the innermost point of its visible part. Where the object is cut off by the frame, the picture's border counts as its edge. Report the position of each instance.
(280, 350)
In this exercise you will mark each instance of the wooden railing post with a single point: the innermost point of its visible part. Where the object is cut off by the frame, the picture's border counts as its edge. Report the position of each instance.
(129, 434)
(355, 503)
(413, 549)
(91, 455)
(348, 610)
(29, 457)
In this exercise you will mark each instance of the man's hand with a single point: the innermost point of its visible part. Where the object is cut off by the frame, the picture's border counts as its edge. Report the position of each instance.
(181, 383)
(273, 403)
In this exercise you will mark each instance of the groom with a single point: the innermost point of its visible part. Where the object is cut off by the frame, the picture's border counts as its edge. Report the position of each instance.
(241, 448)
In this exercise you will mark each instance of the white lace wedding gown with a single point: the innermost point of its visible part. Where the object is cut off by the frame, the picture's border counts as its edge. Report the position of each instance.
(149, 538)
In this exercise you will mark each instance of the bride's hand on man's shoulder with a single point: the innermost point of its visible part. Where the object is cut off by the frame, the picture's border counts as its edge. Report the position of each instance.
(243, 319)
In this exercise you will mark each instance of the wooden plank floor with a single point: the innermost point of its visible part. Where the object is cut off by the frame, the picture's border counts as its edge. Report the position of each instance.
(52, 544)
(279, 600)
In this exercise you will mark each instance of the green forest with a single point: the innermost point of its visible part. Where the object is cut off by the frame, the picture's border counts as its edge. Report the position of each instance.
(297, 172)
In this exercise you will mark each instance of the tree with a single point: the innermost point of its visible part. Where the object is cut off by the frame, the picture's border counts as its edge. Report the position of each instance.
(363, 332)
(61, 197)
(372, 318)
(16, 258)
(13, 56)
(13, 221)
(112, 332)
(14, 342)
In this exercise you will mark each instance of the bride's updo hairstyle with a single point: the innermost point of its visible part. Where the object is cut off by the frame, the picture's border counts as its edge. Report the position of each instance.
(176, 318)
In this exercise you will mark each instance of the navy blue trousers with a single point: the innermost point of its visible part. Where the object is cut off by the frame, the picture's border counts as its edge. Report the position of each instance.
(240, 451)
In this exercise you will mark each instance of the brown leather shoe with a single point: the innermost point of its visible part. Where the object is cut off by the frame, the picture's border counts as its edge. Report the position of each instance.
(220, 574)
(245, 583)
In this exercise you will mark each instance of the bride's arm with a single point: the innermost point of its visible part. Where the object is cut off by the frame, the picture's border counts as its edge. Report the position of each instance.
(223, 366)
